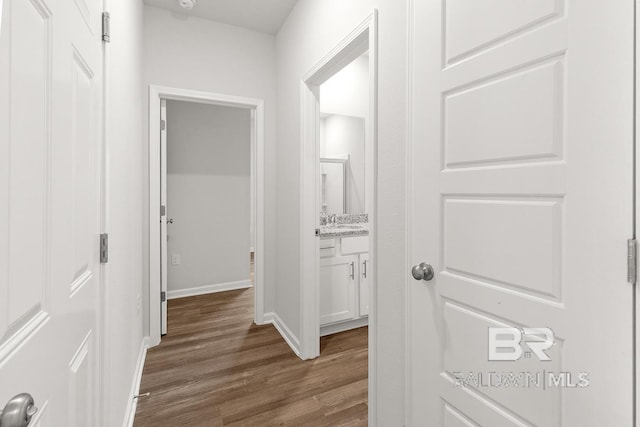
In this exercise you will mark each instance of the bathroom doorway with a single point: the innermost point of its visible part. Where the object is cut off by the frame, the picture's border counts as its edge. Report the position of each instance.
(346, 259)
(343, 283)
(207, 198)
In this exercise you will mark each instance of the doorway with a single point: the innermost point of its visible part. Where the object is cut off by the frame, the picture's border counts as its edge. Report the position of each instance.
(160, 218)
(361, 40)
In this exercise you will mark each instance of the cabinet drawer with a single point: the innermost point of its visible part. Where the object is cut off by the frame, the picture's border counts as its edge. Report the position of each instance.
(327, 252)
(327, 243)
(354, 245)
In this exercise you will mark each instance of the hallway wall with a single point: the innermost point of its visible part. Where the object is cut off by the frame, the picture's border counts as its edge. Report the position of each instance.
(123, 273)
(312, 29)
(208, 174)
(199, 54)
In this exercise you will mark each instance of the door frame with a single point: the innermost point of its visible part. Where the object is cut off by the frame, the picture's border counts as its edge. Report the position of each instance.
(364, 37)
(636, 216)
(156, 93)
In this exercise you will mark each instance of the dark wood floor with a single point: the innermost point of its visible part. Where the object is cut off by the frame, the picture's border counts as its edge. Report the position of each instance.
(216, 368)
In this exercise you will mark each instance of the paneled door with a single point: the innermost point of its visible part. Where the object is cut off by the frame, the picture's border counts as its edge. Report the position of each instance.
(50, 207)
(521, 201)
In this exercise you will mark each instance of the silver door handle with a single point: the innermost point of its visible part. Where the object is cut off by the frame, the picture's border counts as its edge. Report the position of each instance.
(353, 274)
(169, 220)
(422, 272)
(18, 411)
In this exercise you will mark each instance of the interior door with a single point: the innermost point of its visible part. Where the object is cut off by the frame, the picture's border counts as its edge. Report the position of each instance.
(163, 215)
(521, 190)
(50, 207)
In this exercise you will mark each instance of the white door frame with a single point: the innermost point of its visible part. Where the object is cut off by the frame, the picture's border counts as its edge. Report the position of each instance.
(156, 93)
(636, 216)
(364, 37)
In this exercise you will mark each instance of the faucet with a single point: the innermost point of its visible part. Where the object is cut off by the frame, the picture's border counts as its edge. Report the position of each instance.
(332, 218)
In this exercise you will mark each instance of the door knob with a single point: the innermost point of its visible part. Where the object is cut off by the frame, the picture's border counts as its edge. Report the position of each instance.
(422, 272)
(18, 411)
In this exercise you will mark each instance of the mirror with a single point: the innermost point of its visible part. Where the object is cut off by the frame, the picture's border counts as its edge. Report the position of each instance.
(334, 185)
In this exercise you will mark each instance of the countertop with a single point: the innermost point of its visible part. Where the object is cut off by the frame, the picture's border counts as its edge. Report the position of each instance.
(344, 230)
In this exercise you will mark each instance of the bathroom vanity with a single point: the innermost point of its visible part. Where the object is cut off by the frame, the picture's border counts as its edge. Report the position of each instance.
(344, 287)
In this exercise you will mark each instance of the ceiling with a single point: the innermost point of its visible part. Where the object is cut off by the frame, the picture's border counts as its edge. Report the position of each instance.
(266, 16)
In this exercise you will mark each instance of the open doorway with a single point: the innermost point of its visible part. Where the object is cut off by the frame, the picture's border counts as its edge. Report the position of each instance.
(350, 261)
(344, 223)
(209, 242)
(206, 204)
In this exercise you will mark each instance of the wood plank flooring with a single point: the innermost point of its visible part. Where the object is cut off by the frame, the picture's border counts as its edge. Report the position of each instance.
(216, 368)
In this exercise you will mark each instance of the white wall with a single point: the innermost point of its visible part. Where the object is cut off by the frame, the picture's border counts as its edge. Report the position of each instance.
(123, 273)
(194, 53)
(347, 92)
(208, 174)
(313, 28)
(340, 135)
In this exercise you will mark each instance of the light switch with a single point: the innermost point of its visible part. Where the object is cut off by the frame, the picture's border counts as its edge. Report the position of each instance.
(175, 259)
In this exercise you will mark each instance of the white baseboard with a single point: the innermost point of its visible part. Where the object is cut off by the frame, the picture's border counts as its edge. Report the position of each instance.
(334, 328)
(135, 385)
(209, 289)
(284, 331)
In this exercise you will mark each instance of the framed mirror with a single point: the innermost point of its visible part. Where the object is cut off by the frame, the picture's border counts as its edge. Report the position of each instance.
(333, 174)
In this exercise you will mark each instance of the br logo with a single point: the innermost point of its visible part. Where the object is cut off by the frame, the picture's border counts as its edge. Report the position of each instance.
(510, 344)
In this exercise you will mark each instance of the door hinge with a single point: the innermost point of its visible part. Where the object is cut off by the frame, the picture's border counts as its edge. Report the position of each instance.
(317, 231)
(163, 296)
(163, 210)
(163, 124)
(632, 260)
(106, 27)
(104, 248)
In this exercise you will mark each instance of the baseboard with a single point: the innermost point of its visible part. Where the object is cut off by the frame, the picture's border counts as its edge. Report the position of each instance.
(209, 289)
(135, 385)
(334, 328)
(284, 331)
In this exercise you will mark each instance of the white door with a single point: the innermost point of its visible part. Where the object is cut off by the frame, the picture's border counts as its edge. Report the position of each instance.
(521, 189)
(337, 288)
(163, 216)
(50, 207)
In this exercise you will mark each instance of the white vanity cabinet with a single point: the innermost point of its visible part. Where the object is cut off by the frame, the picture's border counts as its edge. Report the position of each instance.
(344, 293)
(364, 284)
(338, 277)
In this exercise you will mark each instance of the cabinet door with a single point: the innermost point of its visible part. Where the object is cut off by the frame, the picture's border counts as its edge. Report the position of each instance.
(364, 285)
(338, 278)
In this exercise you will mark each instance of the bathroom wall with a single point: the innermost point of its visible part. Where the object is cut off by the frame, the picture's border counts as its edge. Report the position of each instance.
(347, 92)
(312, 30)
(193, 53)
(344, 108)
(208, 176)
(340, 135)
